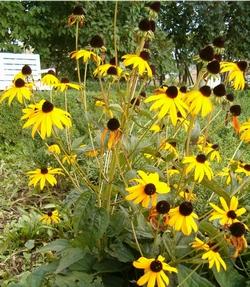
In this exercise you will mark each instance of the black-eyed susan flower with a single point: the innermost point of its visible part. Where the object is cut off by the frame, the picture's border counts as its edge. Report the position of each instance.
(187, 195)
(236, 72)
(24, 74)
(244, 168)
(43, 175)
(69, 158)
(229, 214)
(50, 79)
(199, 101)
(172, 171)
(155, 6)
(147, 189)
(96, 42)
(155, 128)
(147, 25)
(107, 69)
(182, 218)
(213, 68)
(139, 63)
(235, 111)
(211, 254)
(245, 131)
(54, 148)
(207, 53)
(226, 172)
(211, 151)
(51, 217)
(170, 146)
(169, 102)
(86, 55)
(154, 274)
(19, 90)
(43, 116)
(113, 131)
(200, 165)
(237, 238)
(77, 16)
(158, 215)
(64, 85)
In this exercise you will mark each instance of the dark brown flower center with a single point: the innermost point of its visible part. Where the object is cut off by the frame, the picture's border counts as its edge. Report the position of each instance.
(143, 94)
(113, 124)
(213, 246)
(26, 70)
(50, 213)
(213, 67)
(219, 42)
(162, 207)
(156, 266)
(96, 42)
(201, 158)
(219, 90)
(44, 170)
(78, 10)
(230, 97)
(172, 92)
(47, 107)
(51, 72)
(112, 61)
(147, 25)
(231, 214)
(186, 208)
(64, 80)
(155, 6)
(247, 167)
(150, 189)
(207, 53)
(135, 101)
(145, 55)
(183, 89)
(173, 143)
(237, 229)
(242, 65)
(112, 71)
(235, 110)
(206, 91)
(215, 146)
(19, 83)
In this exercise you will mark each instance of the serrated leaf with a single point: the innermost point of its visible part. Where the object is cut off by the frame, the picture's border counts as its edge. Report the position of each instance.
(188, 277)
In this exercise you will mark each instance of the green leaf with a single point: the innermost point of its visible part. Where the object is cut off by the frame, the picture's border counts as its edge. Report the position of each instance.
(230, 277)
(30, 244)
(57, 245)
(109, 266)
(69, 257)
(122, 252)
(190, 278)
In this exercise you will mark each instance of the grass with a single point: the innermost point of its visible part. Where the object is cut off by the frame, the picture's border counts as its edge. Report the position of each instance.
(18, 154)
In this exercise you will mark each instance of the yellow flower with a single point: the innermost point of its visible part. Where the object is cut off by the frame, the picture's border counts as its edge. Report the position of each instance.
(211, 254)
(235, 73)
(187, 195)
(172, 171)
(54, 148)
(114, 133)
(50, 79)
(86, 55)
(226, 172)
(182, 218)
(229, 213)
(155, 128)
(169, 102)
(92, 153)
(245, 131)
(139, 62)
(50, 217)
(211, 150)
(69, 159)
(43, 116)
(147, 189)
(43, 175)
(19, 90)
(200, 165)
(244, 168)
(199, 101)
(65, 84)
(154, 274)
(107, 69)
(170, 146)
